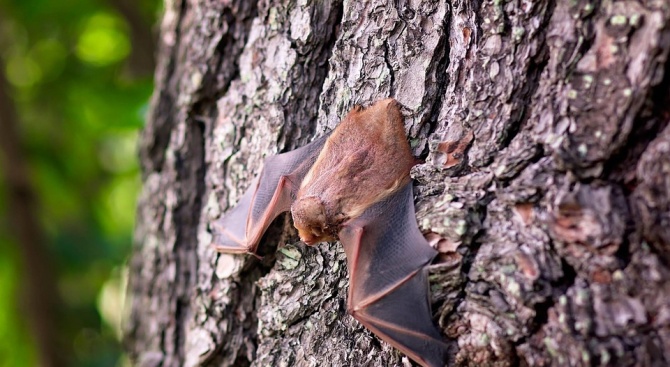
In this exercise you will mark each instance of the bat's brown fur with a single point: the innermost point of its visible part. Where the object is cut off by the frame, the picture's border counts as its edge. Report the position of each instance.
(365, 159)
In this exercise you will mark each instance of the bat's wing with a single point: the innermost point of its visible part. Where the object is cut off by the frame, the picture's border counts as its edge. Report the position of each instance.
(388, 288)
(270, 194)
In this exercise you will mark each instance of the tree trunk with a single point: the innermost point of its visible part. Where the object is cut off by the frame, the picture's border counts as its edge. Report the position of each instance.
(544, 130)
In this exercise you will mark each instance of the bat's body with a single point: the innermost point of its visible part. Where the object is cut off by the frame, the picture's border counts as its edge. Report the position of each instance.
(353, 185)
(364, 156)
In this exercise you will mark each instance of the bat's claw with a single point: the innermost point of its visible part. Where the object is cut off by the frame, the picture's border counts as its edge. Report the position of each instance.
(259, 257)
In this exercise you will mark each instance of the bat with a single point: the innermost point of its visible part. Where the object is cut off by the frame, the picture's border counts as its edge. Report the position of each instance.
(353, 185)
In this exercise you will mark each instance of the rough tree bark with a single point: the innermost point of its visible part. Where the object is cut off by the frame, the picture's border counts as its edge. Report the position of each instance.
(544, 129)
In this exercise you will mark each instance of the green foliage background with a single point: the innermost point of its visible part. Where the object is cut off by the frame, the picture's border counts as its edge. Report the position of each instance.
(80, 107)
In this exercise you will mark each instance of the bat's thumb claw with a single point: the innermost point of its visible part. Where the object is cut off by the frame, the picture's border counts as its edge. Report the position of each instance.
(260, 258)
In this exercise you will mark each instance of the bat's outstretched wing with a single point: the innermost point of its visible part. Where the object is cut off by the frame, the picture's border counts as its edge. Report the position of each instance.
(388, 288)
(270, 194)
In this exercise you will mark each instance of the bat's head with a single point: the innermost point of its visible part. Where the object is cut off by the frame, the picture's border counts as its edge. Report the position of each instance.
(310, 219)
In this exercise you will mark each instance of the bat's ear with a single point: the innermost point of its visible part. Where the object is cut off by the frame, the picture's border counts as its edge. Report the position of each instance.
(391, 103)
(393, 111)
(356, 108)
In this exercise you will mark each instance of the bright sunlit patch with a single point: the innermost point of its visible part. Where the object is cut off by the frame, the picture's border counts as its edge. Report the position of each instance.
(118, 153)
(111, 300)
(103, 40)
(117, 210)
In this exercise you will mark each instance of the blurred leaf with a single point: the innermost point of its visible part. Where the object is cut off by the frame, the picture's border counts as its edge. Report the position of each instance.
(103, 40)
(111, 300)
(117, 152)
(117, 209)
(50, 55)
(23, 71)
